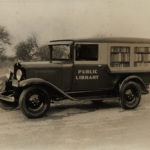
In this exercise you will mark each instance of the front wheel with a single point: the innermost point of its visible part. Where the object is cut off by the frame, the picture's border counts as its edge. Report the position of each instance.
(34, 102)
(130, 95)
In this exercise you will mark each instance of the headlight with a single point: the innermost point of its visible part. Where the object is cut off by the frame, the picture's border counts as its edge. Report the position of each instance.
(19, 74)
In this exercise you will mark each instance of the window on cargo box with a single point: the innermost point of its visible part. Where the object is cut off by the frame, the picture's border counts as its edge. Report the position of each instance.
(120, 57)
(86, 52)
(142, 56)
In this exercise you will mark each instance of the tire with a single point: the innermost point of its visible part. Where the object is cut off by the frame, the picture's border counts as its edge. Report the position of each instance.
(34, 102)
(130, 95)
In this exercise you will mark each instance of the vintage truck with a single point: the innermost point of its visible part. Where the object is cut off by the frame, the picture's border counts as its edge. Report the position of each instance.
(89, 69)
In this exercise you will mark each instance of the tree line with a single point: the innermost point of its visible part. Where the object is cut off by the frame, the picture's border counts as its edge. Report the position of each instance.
(26, 50)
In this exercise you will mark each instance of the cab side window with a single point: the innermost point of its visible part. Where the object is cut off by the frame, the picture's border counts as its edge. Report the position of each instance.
(86, 52)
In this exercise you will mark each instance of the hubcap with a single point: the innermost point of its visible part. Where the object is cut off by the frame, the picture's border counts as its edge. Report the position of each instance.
(131, 94)
(35, 102)
(34, 99)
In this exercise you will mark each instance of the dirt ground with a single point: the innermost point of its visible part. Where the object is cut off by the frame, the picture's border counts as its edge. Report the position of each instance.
(78, 126)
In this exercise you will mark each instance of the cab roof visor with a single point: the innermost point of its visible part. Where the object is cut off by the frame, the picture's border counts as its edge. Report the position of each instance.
(61, 42)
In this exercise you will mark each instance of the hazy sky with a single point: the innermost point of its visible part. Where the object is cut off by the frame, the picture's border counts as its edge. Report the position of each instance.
(57, 19)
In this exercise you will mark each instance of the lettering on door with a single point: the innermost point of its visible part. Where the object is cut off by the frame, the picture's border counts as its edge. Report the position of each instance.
(87, 74)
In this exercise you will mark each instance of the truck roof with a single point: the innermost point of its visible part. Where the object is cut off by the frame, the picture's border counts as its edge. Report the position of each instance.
(104, 40)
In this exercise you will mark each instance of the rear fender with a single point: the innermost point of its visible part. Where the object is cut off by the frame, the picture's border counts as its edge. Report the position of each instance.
(137, 80)
(37, 81)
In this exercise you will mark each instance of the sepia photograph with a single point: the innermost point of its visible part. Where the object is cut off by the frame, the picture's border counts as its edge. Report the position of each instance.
(74, 75)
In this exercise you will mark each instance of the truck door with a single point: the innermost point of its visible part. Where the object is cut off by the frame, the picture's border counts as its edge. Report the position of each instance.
(88, 74)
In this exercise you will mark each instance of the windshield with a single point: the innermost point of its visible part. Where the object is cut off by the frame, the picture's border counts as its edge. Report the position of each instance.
(61, 52)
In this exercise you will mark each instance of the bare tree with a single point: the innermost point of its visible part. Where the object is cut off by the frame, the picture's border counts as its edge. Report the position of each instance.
(4, 39)
(26, 50)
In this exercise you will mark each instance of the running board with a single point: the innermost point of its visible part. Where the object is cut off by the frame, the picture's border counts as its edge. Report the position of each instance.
(97, 98)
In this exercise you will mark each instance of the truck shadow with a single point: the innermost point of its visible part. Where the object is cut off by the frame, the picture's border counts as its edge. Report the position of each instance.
(65, 110)
(8, 105)
(68, 108)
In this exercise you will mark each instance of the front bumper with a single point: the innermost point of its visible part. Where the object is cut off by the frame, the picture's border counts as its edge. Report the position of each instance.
(5, 89)
(7, 98)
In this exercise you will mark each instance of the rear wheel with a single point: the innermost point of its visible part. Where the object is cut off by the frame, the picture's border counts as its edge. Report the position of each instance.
(34, 102)
(130, 95)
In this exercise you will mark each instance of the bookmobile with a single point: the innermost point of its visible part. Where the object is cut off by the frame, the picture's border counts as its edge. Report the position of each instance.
(89, 69)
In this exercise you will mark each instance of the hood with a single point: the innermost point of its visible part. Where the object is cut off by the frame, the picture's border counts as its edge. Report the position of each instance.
(52, 72)
(39, 64)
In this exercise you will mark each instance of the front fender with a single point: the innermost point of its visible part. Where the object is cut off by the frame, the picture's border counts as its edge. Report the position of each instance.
(38, 81)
